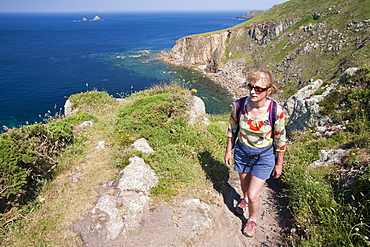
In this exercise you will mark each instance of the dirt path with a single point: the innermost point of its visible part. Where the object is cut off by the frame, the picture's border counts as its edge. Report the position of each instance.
(162, 227)
(189, 222)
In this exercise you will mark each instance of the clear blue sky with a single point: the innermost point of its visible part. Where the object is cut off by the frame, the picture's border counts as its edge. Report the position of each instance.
(133, 5)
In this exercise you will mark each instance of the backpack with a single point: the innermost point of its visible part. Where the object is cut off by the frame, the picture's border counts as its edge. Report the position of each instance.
(272, 116)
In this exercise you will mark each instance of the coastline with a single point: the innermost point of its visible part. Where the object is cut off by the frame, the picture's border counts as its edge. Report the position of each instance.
(230, 76)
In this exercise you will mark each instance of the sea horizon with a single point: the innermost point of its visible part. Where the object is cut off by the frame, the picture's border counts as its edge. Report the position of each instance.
(46, 57)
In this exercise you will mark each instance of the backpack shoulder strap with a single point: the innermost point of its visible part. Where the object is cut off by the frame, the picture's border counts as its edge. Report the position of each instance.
(273, 116)
(239, 107)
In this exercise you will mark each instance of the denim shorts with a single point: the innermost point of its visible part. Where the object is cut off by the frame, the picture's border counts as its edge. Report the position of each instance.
(261, 167)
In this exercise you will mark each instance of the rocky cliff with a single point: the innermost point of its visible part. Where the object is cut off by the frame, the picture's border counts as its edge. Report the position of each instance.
(299, 42)
(307, 52)
(223, 55)
(250, 14)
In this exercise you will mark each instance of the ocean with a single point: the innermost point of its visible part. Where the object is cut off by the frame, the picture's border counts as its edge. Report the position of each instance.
(44, 58)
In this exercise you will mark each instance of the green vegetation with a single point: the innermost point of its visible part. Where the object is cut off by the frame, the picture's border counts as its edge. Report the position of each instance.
(302, 39)
(187, 159)
(27, 158)
(330, 205)
(182, 152)
(33, 155)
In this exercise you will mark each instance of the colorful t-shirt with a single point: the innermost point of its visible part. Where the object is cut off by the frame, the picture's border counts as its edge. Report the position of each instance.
(256, 133)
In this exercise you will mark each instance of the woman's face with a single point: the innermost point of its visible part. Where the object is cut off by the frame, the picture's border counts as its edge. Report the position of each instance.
(258, 90)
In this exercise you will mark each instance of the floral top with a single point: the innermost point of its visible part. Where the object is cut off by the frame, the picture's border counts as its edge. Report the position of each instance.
(256, 133)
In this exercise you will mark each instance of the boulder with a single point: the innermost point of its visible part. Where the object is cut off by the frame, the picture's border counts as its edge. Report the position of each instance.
(142, 145)
(302, 108)
(330, 157)
(137, 176)
(100, 146)
(306, 114)
(68, 109)
(303, 94)
(197, 111)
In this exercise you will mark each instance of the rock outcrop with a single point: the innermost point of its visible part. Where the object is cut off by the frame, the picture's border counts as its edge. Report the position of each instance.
(121, 206)
(197, 111)
(214, 53)
(68, 109)
(330, 157)
(303, 109)
(250, 14)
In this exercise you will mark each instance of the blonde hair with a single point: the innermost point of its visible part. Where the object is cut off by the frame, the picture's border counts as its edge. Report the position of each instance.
(265, 76)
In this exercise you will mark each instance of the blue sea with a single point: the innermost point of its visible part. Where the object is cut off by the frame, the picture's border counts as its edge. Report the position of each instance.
(44, 58)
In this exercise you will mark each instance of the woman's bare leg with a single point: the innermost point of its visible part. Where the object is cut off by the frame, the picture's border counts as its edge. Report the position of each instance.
(244, 183)
(254, 189)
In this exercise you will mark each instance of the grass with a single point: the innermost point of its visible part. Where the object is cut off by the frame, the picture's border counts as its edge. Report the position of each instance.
(330, 205)
(328, 210)
(337, 41)
(187, 161)
(325, 213)
(180, 149)
(47, 221)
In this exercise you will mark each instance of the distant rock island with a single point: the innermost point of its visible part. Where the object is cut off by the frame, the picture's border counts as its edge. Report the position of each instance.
(84, 19)
(250, 14)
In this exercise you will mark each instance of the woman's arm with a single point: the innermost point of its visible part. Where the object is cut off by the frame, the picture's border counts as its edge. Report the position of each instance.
(228, 156)
(278, 169)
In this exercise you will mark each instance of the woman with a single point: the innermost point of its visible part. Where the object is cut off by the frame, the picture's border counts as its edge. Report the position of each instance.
(254, 154)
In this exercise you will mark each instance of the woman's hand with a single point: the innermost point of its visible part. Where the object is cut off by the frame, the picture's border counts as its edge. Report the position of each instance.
(278, 169)
(228, 158)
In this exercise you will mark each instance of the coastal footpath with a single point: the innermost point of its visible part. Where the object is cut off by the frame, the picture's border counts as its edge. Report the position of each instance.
(144, 169)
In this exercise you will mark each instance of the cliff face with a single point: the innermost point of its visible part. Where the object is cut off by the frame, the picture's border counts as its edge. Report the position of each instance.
(199, 51)
(314, 41)
(208, 51)
(219, 54)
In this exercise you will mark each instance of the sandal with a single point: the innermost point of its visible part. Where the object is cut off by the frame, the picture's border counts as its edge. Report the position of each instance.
(240, 207)
(250, 228)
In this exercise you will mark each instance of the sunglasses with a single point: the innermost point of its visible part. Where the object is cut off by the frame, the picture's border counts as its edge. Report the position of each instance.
(257, 89)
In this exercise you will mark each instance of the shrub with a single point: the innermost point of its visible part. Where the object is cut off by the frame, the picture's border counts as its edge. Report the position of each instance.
(27, 158)
(94, 99)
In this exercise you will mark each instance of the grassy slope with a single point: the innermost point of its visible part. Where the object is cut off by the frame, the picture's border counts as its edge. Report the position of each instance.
(331, 204)
(289, 55)
(187, 160)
